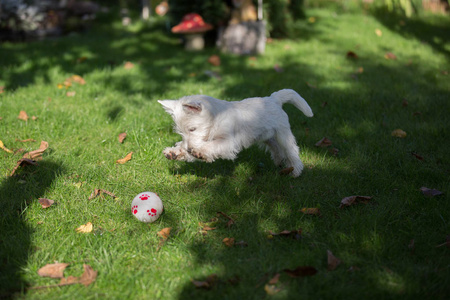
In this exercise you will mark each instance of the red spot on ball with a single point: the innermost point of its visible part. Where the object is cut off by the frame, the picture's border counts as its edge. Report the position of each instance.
(144, 197)
(154, 210)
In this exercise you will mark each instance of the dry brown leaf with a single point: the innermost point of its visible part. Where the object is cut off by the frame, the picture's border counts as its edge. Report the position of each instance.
(229, 242)
(390, 55)
(37, 154)
(207, 283)
(295, 234)
(26, 141)
(430, 192)
(378, 32)
(323, 143)
(125, 159)
(333, 261)
(23, 116)
(398, 133)
(271, 289)
(230, 220)
(419, 157)
(85, 228)
(287, 171)
(310, 211)
(53, 270)
(88, 276)
(278, 69)
(122, 136)
(128, 65)
(78, 79)
(2, 146)
(214, 60)
(274, 279)
(347, 201)
(351, 54)
(301, 271)
(164, 233)
(45, 203)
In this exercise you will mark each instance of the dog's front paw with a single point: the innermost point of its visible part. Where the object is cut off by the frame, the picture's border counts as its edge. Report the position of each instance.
(173, 153)
(199, 155)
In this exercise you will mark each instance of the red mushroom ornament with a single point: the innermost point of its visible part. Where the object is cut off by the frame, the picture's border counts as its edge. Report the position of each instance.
(193, 27)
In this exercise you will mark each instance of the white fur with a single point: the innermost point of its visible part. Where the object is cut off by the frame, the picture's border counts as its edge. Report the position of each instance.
(213, 128)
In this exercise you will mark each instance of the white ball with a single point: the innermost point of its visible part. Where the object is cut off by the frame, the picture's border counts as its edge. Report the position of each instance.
(147, 207)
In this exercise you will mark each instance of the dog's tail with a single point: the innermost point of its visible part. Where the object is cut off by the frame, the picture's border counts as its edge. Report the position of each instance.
(292, 97)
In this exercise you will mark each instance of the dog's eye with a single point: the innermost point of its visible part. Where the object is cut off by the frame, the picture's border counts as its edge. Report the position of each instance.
(192, 129)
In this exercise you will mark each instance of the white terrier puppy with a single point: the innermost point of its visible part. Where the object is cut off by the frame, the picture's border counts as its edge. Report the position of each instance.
(213, 128)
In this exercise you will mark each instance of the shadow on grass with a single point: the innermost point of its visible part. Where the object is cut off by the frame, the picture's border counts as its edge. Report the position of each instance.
(16, 194)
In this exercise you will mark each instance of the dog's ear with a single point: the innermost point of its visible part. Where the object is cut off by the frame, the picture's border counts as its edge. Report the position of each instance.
(168, 105)
(193, 107)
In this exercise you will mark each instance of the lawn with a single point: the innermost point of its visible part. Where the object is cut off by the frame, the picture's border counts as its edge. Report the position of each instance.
(364, 76)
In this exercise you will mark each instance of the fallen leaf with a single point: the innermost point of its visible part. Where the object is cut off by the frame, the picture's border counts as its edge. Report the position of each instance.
(53, 270)
(125, 159)
(23, 116)
(88, 276)
(274, 279)
(287, 171)
(22, 163)
(295, 234)
(70, 94)
(26, 141)
(398, 133)
(405, 103)
(323, 143)
(85, 228)
(430, 192)
(230, 220)
(214, 60)
(2, 89)
(311, 19)
(271, 289)
(390, 56)
(277, 68)
(301, 271)
(351, 54)
(78, 79)
(311, 211)
(229, 242)
(2, 146)
(378, 32)
(122, 136)
(333, 261)
(45, 203)
(37, 154)
(207, 283)
(419, 157)
(128, 65)
(347, 201)
(164, 233)
(98, 192)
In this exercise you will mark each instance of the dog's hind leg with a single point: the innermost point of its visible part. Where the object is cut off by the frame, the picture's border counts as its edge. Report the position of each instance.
(288, 145)
(277, 153)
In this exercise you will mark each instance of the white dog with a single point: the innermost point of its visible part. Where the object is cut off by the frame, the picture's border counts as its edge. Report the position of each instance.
(213, 128)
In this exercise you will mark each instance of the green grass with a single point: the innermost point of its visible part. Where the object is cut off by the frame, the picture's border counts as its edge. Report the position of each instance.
(361, 111)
